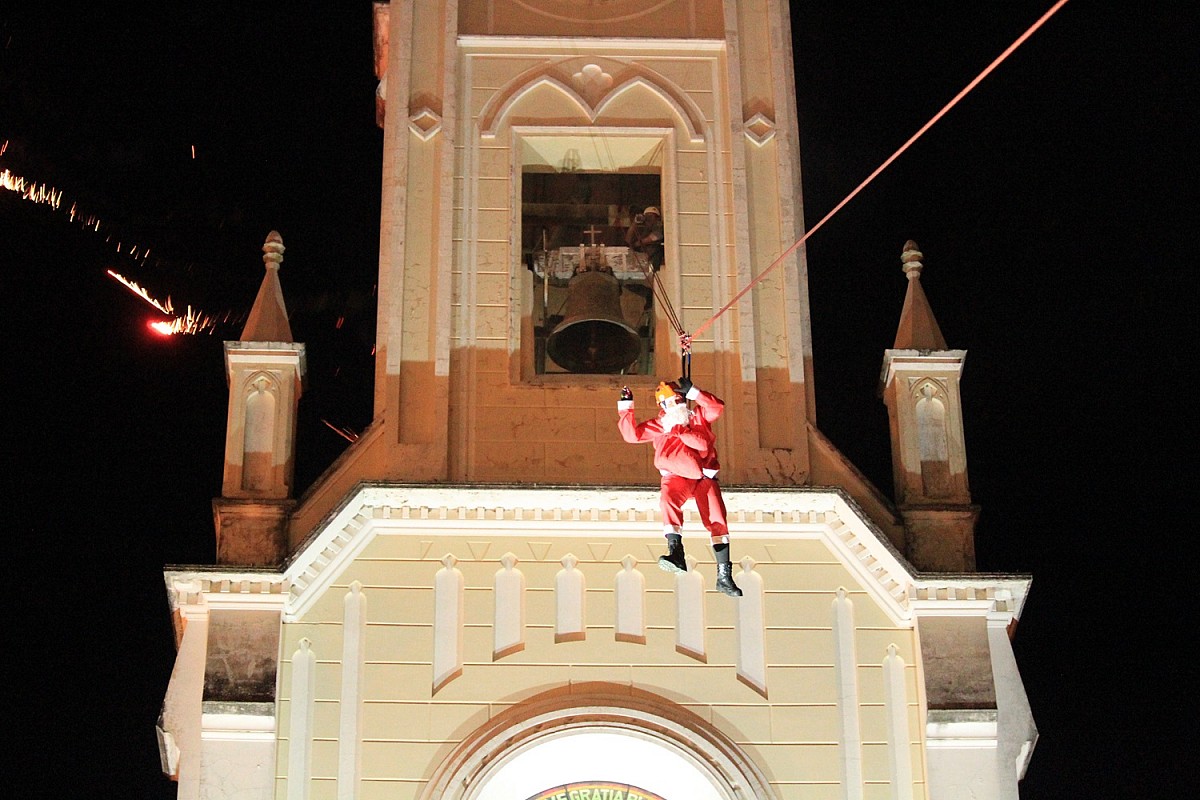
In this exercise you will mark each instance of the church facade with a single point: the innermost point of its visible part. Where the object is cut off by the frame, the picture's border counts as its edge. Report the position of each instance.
(467, 603)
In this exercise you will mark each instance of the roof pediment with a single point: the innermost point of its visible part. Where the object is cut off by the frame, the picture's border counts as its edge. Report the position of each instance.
(594, 520)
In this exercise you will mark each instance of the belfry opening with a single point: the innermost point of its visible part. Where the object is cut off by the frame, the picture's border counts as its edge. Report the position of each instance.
(590, 306)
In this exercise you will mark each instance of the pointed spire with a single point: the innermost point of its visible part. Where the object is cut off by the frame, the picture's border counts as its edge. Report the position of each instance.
(268, 320)
(918, 329)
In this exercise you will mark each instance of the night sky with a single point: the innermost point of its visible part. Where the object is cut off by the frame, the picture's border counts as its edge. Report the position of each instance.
(1051, 206)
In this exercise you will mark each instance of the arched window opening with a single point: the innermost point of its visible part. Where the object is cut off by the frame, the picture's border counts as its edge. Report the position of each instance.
(588, 245)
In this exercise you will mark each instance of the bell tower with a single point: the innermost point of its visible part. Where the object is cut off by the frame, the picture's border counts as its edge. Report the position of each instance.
(518, 153)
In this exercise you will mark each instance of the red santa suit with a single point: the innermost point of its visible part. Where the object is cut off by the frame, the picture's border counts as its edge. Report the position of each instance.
(686, 457)
(709, 502)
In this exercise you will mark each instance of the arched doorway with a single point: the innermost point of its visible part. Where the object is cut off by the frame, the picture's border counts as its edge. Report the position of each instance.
(597, 755)
(607, 735)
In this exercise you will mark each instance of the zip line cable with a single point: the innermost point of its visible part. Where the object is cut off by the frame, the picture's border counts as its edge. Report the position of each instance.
(663, 297)
(685, 340)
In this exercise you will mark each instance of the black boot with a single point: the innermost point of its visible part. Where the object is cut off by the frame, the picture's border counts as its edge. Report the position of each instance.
(673, 561)
(725, 584)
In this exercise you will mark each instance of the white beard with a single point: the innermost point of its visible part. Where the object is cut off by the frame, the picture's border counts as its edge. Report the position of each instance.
(675, 416)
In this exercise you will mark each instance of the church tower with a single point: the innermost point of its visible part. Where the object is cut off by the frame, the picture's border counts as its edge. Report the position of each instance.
(467, 604)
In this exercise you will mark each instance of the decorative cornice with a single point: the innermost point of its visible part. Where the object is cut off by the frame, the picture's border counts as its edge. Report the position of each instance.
(193, 587)
(941, 362)
(573, 511)
(372, 509)
(1001, 595)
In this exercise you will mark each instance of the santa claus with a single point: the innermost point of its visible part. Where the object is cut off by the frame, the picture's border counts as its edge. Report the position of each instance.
(685, 454)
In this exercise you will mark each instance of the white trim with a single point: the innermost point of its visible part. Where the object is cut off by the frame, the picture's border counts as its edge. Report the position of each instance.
(750, 624)
(845, 665)
(394, 203)
(449, 614)
(577, 512)
(354, 631)
(503, 45)
(447, 160)
(301, 706)
(629, 586)
(924, 361)
(1017, 733)
(182, 716)
(508, 597)
(899, 741)
(570, 601)
(263, 358)
(238, 727)
(461, 450)
(690, 613)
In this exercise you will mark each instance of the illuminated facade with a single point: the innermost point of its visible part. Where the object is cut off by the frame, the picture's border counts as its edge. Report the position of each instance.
(466, 605)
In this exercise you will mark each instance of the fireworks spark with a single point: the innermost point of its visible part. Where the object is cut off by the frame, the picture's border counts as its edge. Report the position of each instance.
(133, 286)
(191, 321)
(31, 190)
(345, 433)
(43, 193)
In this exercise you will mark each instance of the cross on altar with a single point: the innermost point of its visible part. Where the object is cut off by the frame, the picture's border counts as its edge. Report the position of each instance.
(591, 232)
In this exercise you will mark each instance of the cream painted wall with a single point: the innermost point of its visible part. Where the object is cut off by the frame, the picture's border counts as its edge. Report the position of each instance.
(408, 730)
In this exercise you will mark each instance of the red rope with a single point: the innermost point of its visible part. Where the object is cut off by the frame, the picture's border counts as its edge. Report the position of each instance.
(998, 60)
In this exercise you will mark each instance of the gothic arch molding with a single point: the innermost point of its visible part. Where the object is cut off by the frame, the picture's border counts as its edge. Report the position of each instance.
(270, 382)
(931, 388)
(600, 708)
(493, 114)
(616, 11)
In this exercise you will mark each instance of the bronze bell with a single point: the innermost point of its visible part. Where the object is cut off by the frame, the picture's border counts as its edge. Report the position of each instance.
(593, 335)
